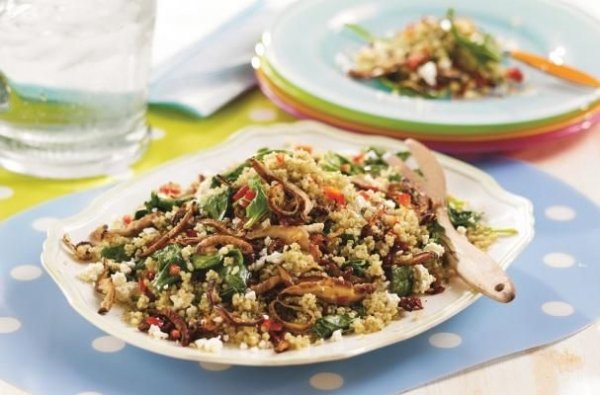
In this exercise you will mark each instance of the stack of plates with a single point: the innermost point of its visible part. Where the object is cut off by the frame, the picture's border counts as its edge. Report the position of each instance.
(301, 64)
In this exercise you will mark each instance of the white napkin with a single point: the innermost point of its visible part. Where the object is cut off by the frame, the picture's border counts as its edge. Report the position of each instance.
(202, 51)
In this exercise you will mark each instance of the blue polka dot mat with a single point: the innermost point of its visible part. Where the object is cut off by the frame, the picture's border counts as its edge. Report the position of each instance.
(47, 348)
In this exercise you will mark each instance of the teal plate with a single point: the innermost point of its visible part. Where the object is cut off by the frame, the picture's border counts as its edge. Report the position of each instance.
(307, 41)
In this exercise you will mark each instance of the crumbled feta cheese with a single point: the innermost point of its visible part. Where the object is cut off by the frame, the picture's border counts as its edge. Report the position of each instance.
(361, 202)
(250, 295)
(428, 72)
(393, 298)
(124, 291)
(204, 186)
(263, 252)
(435, 248)
(389, 204)
(336, 336)
(155, 333)
(91, 272)
(125, 268)
(462, 230)
(187, 251)
(213, 345)
(276, 257)
(422, 279)
(149, 231)
(118, 279)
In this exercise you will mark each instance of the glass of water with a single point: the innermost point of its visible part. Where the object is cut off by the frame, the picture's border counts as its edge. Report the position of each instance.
(73, 85)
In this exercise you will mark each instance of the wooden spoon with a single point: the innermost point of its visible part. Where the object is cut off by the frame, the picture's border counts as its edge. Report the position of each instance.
(474, 266)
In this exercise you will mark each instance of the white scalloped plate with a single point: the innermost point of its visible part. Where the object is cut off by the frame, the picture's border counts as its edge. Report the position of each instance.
(502, 208)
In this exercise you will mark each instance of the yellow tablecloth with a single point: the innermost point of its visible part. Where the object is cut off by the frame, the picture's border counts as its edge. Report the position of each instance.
(174, 134)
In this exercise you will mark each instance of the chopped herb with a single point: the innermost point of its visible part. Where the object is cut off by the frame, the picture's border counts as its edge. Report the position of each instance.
(203, 262)
(170, 255)
(436, 232)
(347, 237)
(262, 152)
(361, 32)
(360, 309)
(401, 281)
(140, 264)
(217, 205)
(395, 178)
(459, 216)
(485, 51)
(404, 155)
(141, 213)
(258, 209)
(374, 162)
(162, 203)
(230, 176)
(359, 266)
(235, 276)
(400, 88)
(335, 162)
(325, 326)
(234, 174)
(116, 253)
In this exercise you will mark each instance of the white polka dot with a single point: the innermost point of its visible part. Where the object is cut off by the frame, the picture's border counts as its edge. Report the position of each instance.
(445, 340)
(326, 381)
(9, 325)
(585, 125)
(42, 224)
(5, 192)
(559, 260)
(26, 272)
(214, 367)
(107, 344)
(560, 213)
(558, 309)
(263, 114)
(157, 134)
(89, 393)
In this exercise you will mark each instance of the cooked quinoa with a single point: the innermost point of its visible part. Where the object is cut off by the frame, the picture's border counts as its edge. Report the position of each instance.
(436, 58)
(280, 251)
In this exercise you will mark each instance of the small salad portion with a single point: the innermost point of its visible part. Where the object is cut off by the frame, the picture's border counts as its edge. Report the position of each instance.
(436, 58)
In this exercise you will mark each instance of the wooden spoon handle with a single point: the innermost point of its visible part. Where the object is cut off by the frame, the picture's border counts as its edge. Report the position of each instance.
(565, 72)
(475, 267)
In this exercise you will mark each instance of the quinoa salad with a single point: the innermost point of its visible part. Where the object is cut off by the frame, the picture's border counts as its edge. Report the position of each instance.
(282, 250)
(436, 58)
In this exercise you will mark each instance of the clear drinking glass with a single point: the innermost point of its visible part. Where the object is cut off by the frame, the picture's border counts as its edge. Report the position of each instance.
(73, 85)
